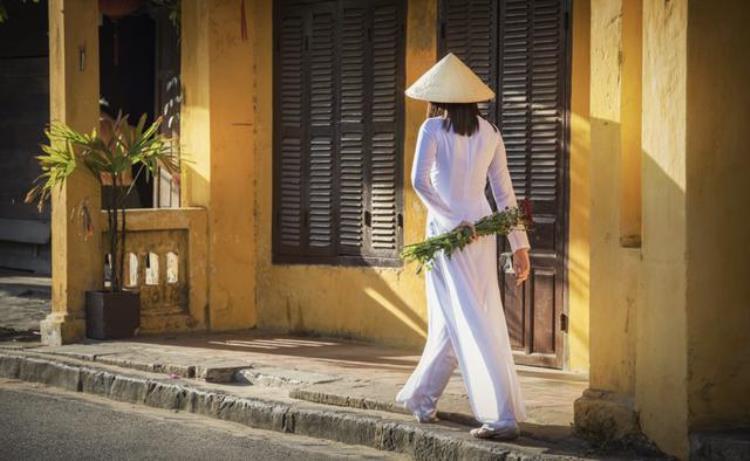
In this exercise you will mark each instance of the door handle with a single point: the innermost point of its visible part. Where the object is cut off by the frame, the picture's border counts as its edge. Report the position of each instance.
(506, 259)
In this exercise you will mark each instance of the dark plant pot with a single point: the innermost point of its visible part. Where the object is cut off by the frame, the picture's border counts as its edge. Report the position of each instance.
(112, 315)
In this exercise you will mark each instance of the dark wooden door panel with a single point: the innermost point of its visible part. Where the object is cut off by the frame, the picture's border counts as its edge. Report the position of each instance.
(515, 312)
(543, 317)
(520, 48)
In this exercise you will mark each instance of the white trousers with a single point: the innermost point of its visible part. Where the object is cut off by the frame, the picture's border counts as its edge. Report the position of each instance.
(466, 328)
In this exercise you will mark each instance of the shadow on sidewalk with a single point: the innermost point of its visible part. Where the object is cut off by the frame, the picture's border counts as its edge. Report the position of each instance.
(366, 375)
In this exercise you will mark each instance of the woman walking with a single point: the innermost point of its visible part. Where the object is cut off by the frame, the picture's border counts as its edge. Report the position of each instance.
(457, 152)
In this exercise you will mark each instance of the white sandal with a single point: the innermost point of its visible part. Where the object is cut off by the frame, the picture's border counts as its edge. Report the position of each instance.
(499, 433)
(425, 418)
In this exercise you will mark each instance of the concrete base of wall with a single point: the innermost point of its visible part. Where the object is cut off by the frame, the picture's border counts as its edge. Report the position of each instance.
(609, 420)
(58, 329)
(605, 417)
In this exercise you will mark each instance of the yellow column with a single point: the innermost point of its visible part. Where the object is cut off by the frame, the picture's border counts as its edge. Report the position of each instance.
(219, 131)
(607, 410)
(639, 349)
(661, 368)
(74, 100)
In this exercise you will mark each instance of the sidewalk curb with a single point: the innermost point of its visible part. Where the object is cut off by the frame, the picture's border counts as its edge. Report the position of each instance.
(419, 442)
(363, 403)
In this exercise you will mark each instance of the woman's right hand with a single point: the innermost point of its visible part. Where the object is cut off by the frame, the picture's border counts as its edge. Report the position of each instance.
(521, 265)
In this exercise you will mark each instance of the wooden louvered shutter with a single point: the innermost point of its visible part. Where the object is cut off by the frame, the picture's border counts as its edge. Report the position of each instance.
(513, 119)
(532, 79)
(352, 124)
(370, 129)
(338, 117)
(290, 133)
(468, 29)
(384, 169)
(321, 138)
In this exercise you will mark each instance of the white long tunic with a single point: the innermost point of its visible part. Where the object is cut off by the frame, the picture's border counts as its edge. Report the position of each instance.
(466, 323)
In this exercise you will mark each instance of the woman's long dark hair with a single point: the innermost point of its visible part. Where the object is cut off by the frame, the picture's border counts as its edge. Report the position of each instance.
(459, 117)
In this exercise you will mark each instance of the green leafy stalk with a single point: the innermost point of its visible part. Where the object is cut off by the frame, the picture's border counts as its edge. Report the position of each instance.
(498, 223)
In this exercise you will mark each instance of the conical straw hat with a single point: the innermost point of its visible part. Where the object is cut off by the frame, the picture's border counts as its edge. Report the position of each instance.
(450, 80)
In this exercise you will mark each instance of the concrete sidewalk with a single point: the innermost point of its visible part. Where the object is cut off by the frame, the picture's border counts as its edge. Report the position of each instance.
(320, 375)
(342, 370)
(24, 302)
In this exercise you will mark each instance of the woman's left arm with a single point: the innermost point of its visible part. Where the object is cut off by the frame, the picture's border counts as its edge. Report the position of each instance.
(502, 190)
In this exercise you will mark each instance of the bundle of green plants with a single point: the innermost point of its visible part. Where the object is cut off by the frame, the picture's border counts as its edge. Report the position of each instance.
(498, 223)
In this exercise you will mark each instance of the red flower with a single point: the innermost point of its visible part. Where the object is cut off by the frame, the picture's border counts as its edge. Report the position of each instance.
(525, 208)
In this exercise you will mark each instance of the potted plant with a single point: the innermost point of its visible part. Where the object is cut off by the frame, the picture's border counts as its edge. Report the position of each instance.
(110, 155)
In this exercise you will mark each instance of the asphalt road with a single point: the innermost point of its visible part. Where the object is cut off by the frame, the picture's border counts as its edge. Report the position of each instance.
(38, 422)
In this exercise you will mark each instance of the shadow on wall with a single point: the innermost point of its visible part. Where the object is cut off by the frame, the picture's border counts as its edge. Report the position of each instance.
(348, 302)
(661, 322)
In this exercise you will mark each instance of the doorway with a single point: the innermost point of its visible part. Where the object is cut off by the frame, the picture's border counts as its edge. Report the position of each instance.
(139, 71)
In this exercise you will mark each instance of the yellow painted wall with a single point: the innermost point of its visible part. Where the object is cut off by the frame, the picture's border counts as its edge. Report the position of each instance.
(614, 269)
(195, 133)
(718, 221)
(661, 370)
(219, 127)
(579, 248)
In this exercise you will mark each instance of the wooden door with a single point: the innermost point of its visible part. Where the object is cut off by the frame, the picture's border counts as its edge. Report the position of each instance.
(521, 49)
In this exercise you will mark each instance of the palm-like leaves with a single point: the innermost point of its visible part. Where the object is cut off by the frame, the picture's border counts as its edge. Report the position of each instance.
(141, 146)
(106, 159)
(57, 164)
